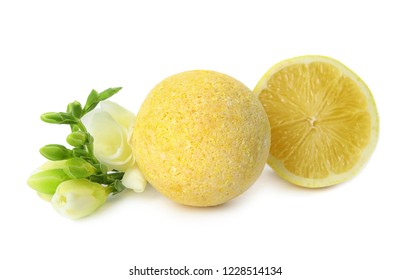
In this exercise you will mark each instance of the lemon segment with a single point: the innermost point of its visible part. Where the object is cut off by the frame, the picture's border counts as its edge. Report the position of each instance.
(323, 118)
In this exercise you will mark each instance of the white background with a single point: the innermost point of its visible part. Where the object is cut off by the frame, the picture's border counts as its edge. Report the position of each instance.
(54, 52)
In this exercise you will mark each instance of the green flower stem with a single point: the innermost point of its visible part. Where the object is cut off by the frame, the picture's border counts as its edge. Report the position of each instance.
(106, 179)
(115, 176)
(89, 146)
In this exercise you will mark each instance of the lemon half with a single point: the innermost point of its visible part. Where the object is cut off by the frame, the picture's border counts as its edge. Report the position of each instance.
(323, 118)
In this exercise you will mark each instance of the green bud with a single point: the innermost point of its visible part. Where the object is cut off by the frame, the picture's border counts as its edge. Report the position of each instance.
(47, 181)
(59, 118)
(77, 138)
(79, 168)
(45, 196)
(56, 152)
(74, 108)
(78, 198)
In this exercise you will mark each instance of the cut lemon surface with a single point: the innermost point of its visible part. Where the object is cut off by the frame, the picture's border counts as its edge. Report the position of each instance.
(323, 118)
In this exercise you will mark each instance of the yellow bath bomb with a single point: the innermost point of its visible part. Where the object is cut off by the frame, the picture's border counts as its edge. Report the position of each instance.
(201, 138)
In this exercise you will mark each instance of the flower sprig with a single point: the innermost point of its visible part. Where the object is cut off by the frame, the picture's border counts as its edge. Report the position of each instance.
(81, 162)
(74, 179)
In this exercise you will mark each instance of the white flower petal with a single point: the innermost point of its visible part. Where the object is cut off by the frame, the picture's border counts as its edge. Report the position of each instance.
(106, 132)
(121, 115)
(123, 158)
(122, 165)
(134, 179)
(110, 140)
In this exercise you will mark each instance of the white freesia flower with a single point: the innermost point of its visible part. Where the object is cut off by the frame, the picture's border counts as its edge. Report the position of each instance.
(111, 125)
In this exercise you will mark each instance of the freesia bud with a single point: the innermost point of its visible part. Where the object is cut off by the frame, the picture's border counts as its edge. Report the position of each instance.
(56, 152)
(78, 198)
(74, 108)
(58, 118)
(77, 138)
(78, 168)
(45, 196)
(47, 181)
(134, 179)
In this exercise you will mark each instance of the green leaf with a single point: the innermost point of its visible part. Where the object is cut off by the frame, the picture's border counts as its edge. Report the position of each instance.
(92, 102)
(59, 118)
(56, 152)
(74, 108)
(118, 186)
(108, 93)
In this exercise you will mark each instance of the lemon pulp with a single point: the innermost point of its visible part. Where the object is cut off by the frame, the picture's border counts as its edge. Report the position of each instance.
(324, 122)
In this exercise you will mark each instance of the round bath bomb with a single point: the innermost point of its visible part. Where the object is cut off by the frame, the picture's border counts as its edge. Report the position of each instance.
(201, 138)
